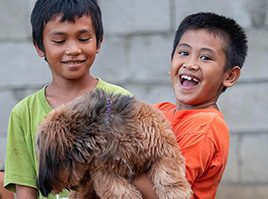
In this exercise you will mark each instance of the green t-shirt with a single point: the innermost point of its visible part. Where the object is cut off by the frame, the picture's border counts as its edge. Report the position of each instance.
(21, 161)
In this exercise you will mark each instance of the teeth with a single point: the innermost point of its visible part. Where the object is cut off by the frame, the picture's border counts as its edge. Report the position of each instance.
(72, 62)
(186, 77)
(189, 78)
(196, 80)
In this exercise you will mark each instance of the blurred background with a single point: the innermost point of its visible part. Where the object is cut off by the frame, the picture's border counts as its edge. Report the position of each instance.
(136, 55)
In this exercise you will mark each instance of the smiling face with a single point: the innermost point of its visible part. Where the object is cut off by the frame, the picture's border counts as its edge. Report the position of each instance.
(70, 47)
(197, 69)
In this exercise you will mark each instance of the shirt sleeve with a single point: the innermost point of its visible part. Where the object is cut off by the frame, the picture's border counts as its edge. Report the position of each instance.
(198, 151)
(20, 164)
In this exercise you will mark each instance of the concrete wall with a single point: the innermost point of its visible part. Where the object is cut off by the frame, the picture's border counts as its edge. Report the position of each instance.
(136, 55)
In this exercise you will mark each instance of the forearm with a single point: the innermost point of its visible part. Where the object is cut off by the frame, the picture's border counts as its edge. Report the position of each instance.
(23, 192)
(145, 186)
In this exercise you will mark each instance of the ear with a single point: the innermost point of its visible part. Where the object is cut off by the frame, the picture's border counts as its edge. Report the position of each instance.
(232, 76)
(40, 52)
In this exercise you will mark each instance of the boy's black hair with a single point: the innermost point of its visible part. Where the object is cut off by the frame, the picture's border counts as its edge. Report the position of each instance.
(231, 32)
(46, 10)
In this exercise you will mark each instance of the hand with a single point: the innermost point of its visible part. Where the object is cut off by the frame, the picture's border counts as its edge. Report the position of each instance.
(145, 186)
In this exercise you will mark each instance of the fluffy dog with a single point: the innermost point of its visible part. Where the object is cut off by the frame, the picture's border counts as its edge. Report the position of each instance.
(97, 144)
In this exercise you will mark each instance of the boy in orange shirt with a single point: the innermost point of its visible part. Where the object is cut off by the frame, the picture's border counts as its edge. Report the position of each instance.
(208, 53)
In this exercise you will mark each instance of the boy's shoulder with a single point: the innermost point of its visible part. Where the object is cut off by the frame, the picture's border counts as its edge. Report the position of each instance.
(111, 88)
(209, 121)
(206, 112)
(30, 101)
(165, 105)
(207, 116)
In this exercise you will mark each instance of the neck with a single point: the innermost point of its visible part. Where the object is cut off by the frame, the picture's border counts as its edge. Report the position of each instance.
(59, 92)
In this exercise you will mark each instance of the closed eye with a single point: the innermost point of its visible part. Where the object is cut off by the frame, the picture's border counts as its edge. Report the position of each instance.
(58, 41)
(84, 39)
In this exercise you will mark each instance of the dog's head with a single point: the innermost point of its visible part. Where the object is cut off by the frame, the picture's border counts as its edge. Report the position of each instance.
(71, 136)
(57, 149)
(67, 140)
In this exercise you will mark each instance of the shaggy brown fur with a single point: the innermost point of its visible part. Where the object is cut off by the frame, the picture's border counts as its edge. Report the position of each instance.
(100, 142)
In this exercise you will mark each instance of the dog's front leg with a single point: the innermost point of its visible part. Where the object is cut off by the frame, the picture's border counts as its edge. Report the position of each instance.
(109, 186)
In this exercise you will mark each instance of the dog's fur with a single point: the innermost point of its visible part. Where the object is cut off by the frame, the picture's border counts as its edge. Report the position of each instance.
(97, 144)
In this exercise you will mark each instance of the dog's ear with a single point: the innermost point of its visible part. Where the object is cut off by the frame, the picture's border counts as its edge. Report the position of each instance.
(48, 162)
(54, 141)
(66, 142)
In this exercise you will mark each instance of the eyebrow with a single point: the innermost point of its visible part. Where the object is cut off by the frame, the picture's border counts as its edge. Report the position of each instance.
(56, 33)
(185, 45)
(208, 50)
(86, 31)
(80, 32)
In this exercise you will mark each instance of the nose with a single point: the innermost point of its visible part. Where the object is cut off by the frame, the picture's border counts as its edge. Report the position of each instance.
(73, 49)
(190, 66)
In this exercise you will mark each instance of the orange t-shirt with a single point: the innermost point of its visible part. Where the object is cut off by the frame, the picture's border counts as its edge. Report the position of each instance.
(203, 138)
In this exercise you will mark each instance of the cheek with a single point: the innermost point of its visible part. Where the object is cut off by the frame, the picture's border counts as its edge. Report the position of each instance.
(54, 49)
(174, 68)
(213, 85)
(54, 55)
(213, 76)
(174, 73)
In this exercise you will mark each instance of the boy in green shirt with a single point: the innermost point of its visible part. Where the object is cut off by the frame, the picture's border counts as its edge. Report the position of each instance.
(68, 35)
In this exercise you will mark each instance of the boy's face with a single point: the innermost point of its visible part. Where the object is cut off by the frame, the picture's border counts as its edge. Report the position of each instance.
(70, 48)
(197, 69)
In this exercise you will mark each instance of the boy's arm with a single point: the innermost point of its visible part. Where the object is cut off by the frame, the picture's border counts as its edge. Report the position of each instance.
(20, 163)
(4, 193)
(198, 152)
(23, 192)
(145, 186)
